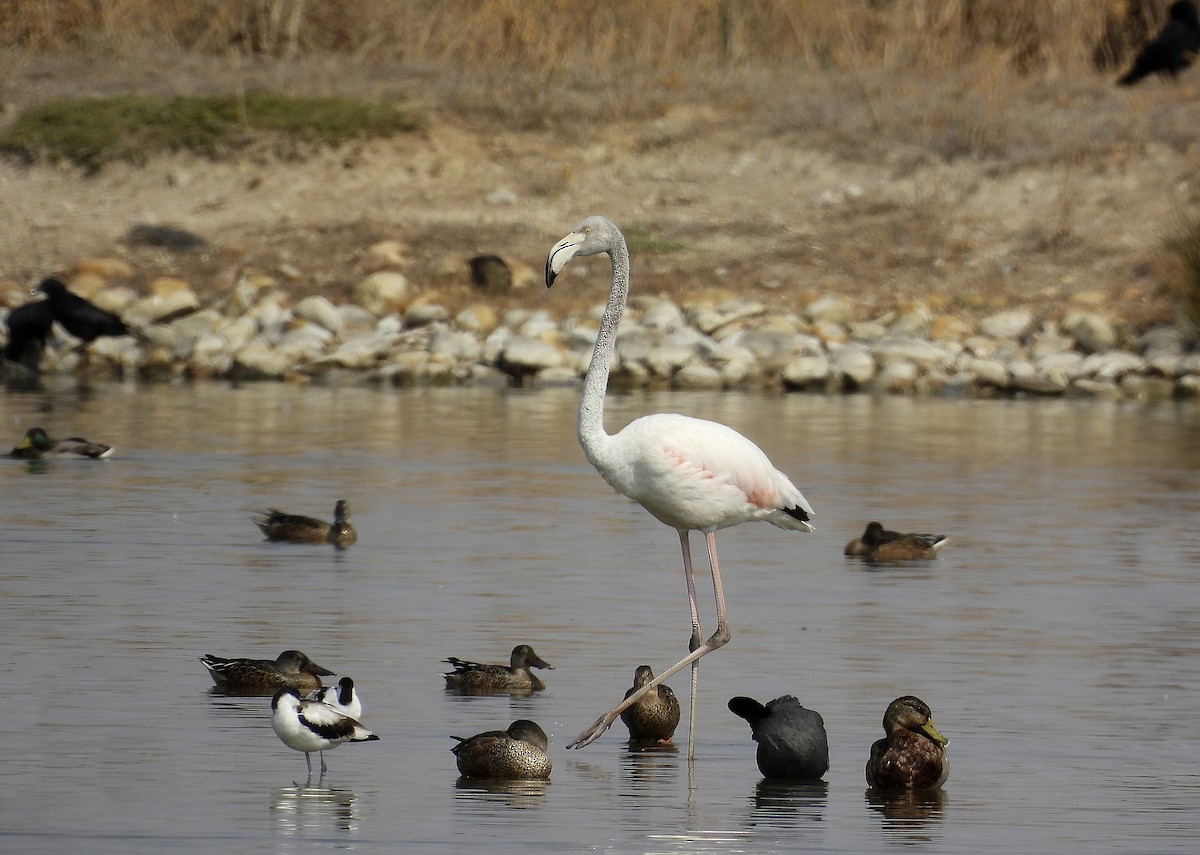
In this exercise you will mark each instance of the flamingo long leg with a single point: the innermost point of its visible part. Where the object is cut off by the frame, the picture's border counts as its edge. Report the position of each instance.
(719, 638)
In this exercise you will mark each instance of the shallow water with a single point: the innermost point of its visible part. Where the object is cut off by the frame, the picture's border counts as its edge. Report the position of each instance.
(1057, 638)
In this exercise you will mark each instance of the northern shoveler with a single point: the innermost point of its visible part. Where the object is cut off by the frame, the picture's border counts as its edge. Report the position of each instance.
(516, 754)
(291, 669)
(37, 445)
(310, 726)
(912, 756)
(294, 528)
(791, 739)
(655, 716)
(514, 677)
(879, 544)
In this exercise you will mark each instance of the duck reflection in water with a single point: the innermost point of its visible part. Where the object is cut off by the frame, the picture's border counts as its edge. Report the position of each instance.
(782, 802)
(908, 812)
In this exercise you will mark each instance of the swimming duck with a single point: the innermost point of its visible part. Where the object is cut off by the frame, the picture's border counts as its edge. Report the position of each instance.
(878, 543)
(791, 739)
(514, 677)
(310, 726)
(516, 754)
(911, 756)
(291, 669)
(37, 444)
(343, 697)
(652, 719)
(293, 528)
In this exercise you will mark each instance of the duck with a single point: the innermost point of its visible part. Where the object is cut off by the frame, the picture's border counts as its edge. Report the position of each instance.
(294, 528)
(792, 743)
(653, 719)
(913, 755)
(343, 697)
(38, 445)
(879, 544)
(309, 726)
(473, 677)
(515, 754)
(291, 669)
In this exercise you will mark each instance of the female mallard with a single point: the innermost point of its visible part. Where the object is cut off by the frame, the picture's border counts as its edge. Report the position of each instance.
(293, 528)
(292, 669)
(880, 544)
(791, 739)
(516, 754)
(911, 756)
(514, 677)
(655, 716)
(36, 445)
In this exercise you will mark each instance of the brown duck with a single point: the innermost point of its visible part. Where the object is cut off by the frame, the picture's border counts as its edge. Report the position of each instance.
(879, 544)
(477, 677)
(291, 669)
(912, 756)
(294, 528)
(655, 716)
(515, 754)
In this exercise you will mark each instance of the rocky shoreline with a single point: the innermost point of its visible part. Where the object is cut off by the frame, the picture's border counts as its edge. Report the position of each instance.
(389, 334)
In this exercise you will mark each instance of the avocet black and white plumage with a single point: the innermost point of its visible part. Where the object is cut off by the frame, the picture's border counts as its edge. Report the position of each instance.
(310, 726)
(343, 697)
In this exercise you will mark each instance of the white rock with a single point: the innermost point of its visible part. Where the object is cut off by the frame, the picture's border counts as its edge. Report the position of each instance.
(898, 376)
(1010, 323)
(383, 292)
(319, 311)
(832, 307)
(698, 376)
(806, 371)
(854, 363)
(524, 355)
(1092, 332)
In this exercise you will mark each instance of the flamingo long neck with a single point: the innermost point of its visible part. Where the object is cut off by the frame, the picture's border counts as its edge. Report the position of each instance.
(591, 405)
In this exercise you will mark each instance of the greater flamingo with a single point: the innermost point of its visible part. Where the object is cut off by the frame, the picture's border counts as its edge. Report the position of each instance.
(689, 473)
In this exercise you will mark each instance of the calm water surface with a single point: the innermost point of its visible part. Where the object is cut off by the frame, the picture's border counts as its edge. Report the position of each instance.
(1057, 638)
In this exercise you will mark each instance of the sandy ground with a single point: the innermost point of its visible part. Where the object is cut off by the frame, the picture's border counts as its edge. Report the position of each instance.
(1044, 195)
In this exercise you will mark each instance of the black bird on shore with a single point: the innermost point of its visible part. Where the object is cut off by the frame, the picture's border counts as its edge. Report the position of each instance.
(1173, 49)
(79, 317)
(28, 329)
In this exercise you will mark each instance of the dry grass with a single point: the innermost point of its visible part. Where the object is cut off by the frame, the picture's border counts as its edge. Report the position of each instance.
(994, 147)
(545, 38)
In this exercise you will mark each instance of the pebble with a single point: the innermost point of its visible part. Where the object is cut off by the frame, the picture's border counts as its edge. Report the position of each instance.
(387, 333)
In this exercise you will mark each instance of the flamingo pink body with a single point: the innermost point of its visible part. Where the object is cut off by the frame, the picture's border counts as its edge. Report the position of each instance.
(691, 474)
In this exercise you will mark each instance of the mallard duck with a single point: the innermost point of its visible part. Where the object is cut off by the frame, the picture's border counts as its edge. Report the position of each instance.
(516, 754)
(37, 445)
(911, 756)
(291, 669)
(655, 716)
(879, 544)
(310, 726)
(470, 676)
(293, 528)
(791, 739)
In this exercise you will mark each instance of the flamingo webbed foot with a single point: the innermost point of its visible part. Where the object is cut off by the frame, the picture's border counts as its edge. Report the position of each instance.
(592, 733)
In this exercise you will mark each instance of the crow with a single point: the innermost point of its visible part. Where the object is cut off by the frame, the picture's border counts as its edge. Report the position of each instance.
(28, 329)
(79, 317)
(1173, 49)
